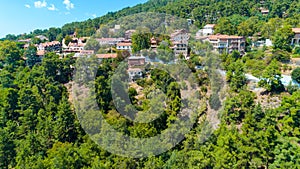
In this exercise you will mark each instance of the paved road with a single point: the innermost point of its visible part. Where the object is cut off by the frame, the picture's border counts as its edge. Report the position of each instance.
(285, 78)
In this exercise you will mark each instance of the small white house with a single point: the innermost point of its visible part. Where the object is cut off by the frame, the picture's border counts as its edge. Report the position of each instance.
(269, 42)
(206, 31)
(124, 46)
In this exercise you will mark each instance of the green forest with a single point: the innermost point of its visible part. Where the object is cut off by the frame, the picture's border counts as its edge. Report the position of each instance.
(228, 13)
(40, 128)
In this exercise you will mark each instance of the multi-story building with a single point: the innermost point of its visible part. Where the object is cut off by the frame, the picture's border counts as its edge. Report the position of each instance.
(227, 43)
(54, 46)
(296, 39)
(135, 67)
(179, 40)
(76, 45)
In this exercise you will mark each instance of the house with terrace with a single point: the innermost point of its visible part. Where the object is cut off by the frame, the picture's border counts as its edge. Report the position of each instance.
(180, 40)
(227, 43)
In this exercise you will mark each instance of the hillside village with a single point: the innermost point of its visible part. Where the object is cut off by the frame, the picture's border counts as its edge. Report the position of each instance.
(179, 42)
(177, 45)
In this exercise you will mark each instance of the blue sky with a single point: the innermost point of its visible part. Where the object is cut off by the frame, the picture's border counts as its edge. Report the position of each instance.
(23, 16)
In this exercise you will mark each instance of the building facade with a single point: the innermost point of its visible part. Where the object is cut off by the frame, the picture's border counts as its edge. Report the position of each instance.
(227, 43)
(296, 39)
(124, 46)
(180, 40)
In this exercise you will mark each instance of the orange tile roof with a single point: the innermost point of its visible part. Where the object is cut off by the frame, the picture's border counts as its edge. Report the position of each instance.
(124, 44)
(210, 25)
(296, 30)
(87, 52)
(219, 36)
(178, 32)
(106, 56)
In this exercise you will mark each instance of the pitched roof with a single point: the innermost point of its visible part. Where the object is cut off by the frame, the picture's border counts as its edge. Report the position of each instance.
(134, 69)
(219, 36)
(106, 56)
(210, 25)
(136, 57)
(296, 30)
(178, 32)
(124, 44)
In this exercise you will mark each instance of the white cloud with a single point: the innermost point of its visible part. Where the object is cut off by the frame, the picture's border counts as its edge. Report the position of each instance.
(27, 6)
(69, 4)
(52, 8)
(94, 15)
(40, 4)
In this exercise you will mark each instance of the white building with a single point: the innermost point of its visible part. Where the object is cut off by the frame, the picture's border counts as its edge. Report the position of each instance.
(124, 46)
(190, 21)
(227, 43)
(206, 31)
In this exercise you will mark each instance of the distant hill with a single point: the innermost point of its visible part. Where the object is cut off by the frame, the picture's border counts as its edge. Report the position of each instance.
(202, 11)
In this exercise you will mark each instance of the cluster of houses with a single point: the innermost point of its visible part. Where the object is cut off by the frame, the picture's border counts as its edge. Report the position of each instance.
(179, 40)
(221, 43)
(228, 43)
(76, 45)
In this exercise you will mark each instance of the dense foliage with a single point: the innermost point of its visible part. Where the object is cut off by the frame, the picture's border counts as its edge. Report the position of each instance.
(241, 17)
(39, 127)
